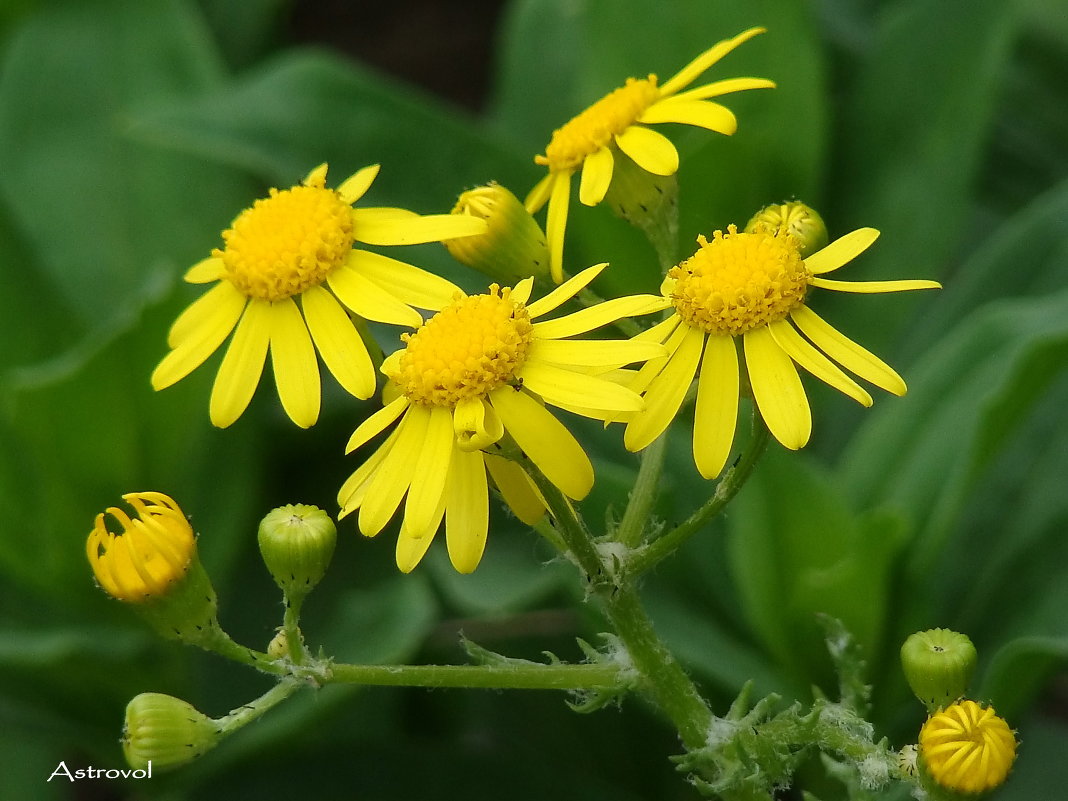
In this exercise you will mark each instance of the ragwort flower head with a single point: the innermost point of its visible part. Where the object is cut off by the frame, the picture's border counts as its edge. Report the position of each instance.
(298, 243)
(616, 124)
(481, 369)
(752, 287)
(967, 748)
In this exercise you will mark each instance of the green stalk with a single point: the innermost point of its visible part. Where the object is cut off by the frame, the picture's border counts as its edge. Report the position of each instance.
(497, 677)
(255, 709)
(643, 494)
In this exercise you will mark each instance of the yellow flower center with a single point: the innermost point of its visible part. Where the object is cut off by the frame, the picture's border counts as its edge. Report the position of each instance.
(287, 242)
(738, 282)
(469, 348)
(967, 748)
(598, 125)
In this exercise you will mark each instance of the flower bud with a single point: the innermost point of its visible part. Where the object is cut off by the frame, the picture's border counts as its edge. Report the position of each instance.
(513, 247)
(152, 564)
(795, 219)
(165, 731)
(297, 542)
(966, 748)
(645, 200)
(938, 665)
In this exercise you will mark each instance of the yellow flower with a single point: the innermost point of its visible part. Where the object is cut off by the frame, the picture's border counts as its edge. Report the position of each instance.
(967, 748)
(298, 243)
(151, 553)
(616, 123)
(753, 286)
(483, 367)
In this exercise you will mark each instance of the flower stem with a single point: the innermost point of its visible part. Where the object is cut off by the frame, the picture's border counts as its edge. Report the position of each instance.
(291, 629)
(643, 494)
(255, 709)
(498, 677)
(649, 556)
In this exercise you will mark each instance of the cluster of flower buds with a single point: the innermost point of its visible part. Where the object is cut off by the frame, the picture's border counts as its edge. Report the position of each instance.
(965, 748)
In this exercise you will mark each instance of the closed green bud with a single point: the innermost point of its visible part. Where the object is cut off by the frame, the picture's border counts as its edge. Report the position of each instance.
(513, 247)
(795, 219)
(938, 666)
(165, 732)
(297, 543)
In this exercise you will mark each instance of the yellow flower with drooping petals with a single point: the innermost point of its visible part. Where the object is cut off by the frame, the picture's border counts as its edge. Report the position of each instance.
(482, 368)
(752, 287)
(616, 124)
(298, 244)
(967, 748)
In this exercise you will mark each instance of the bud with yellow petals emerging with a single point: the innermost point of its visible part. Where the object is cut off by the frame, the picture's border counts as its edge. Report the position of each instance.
(513, 247)
(794, 219)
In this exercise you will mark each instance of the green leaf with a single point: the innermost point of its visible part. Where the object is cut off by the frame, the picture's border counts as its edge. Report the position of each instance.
(1019, 669)
(797, 549)
(383, 624)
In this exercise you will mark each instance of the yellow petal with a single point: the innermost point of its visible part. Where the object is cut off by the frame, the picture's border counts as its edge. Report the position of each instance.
(430, 472)
(215, 319)
(376, 228)
(567, 290)
(206, 270)
(595, 352)
(242, 365)
(777, 389)
(545, 440)
(568, 388)
(716, 413)
(341, 347)
(724, 87)
(394, 475)
(666, 392)
(651, 151)
(517, 489)
(846, 352)
(702, 113)
(539, 195)
(356, 185)
(216, 310)
(603, 313)
(466, 510)
(841, 251)
(522, 290)
(556, 223)
(412, 549)
(354, 491)
(406, 282)
(596, 177)
(689, 73)
(376, 423)
(296, 370)
(368, 299)
(317, 175)
(672, 334)
(873, 287)
(799, 349)
(476, 425)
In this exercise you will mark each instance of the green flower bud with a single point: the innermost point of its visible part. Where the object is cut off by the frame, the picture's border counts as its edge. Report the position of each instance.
(512, 249)
(297, 543)
(938, 665)
(647, 201)
(151, 563)
(795, 219)
(165, 732)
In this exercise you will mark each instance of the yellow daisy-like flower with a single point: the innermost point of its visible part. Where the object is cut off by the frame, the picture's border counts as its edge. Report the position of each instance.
(480, 368)
(967, 748)
(151, 553)
(753, 287)
(616, 123)
(298, 243)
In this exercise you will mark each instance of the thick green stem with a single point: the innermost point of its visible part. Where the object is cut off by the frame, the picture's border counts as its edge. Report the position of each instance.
(645, 558)
(255, 709)
(497, 677)
(291, 629)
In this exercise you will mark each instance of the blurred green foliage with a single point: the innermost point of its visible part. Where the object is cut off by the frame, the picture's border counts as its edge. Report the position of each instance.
(132, 133)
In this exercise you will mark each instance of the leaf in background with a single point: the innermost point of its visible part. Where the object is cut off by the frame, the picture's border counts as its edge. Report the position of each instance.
(1018, 670)
(915, 123)
(921, 455)
(797, 549)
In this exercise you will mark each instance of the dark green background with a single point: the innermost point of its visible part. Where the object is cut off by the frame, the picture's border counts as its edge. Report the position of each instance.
(131, 133)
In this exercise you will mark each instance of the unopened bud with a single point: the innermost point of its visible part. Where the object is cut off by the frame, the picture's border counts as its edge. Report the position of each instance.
(297, 542)
(165, 731)
(938, 666)
(795, 219)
